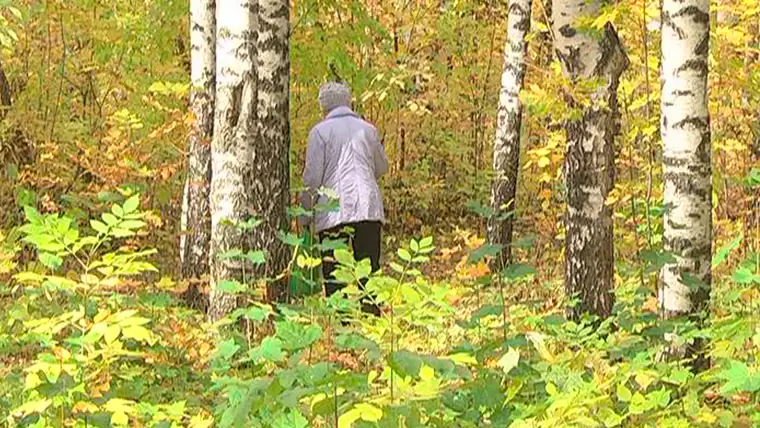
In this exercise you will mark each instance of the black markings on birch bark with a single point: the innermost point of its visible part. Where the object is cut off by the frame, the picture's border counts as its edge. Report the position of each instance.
(589, 161)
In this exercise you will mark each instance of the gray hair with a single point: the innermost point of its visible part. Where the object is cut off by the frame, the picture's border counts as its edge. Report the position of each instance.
(334, 94)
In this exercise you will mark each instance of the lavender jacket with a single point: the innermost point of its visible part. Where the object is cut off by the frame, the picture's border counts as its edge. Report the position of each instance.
(344, 154)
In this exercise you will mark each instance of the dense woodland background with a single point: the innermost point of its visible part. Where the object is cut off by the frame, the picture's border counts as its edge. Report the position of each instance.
(96, 330)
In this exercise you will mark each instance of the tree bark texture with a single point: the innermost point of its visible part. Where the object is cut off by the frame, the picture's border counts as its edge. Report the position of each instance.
(271, 154)
(685, 129)
(589, 167)
(196, 215)
(232, 145)
(506, 151)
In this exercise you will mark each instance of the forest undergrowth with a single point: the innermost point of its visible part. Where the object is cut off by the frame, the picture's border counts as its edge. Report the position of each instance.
(94, 335)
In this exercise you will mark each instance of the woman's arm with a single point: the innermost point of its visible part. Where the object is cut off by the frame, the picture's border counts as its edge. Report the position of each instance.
(313, 172)
(381, 160)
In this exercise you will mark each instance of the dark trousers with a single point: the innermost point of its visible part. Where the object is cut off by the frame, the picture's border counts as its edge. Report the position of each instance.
(365, 241)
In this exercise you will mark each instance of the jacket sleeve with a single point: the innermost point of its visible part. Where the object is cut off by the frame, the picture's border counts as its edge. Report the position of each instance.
(313, 172)
(381, 160)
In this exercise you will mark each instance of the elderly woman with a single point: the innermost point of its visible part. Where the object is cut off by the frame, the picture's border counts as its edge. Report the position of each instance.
(345, 154)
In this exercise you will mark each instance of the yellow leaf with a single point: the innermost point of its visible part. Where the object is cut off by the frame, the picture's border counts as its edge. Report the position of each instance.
(137, 333)
(89, 279)
(551, 389)
(201, 420)
(644, 379)
(112, 333)
(463, 358)
(706, 416)
(36, 406)
(362, 411)
(347, 419)
(119, 418)
(537, 339)
(32, 381)
(509, 360)
(84, 407)
(427, 373)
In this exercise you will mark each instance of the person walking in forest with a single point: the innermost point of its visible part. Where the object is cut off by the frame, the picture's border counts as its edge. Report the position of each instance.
(345, 154)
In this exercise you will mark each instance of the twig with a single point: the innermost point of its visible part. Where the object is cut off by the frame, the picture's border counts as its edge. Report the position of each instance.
(60, 84)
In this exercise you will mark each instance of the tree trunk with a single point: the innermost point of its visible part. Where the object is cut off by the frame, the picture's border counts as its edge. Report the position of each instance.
(506, 150)
(231, 147)
(271, 153)
(196, 215)
(589, 162)
(685, 129)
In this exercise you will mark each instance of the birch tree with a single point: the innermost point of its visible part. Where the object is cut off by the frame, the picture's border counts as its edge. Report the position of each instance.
(271, 153)
(685, 129)
(231, 148)
(506, 151)
(196, 216)
(595, 60)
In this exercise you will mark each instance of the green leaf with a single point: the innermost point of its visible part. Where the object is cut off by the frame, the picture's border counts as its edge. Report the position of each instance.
(480, 209)
(743, 275)
(328, 244)
(397, 267)
(726, 418)
(426, 242)
(235, 254)
(654, 260)
(609, 417)
(623, 393)
(291, 239)
(404, 255)
(738, 378)
(231, 287)
(517, 271)
(109, 219)
(32, 215)
(660, 397)
(122, 233)
(363, 269)
(99, 227)
(290, 419)
(257, 313)
(16, 12)
(357, 341)
(639, 404)
(51, 261)
(132, 224)
(693, 282)
(344, 257)
(256, 257)
(485, 250)
(297, 336)
(131, 204)
(723, 252)
(226, 350)
(270, 350)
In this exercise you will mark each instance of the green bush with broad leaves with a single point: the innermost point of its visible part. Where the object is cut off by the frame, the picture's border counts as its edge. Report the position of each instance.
(93, 339)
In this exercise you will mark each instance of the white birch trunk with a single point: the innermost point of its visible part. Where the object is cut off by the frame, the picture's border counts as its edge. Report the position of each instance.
(685, 128)
(589, 161)
(196, 216)
(506, 151)
(231, 148)
(271, 154)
